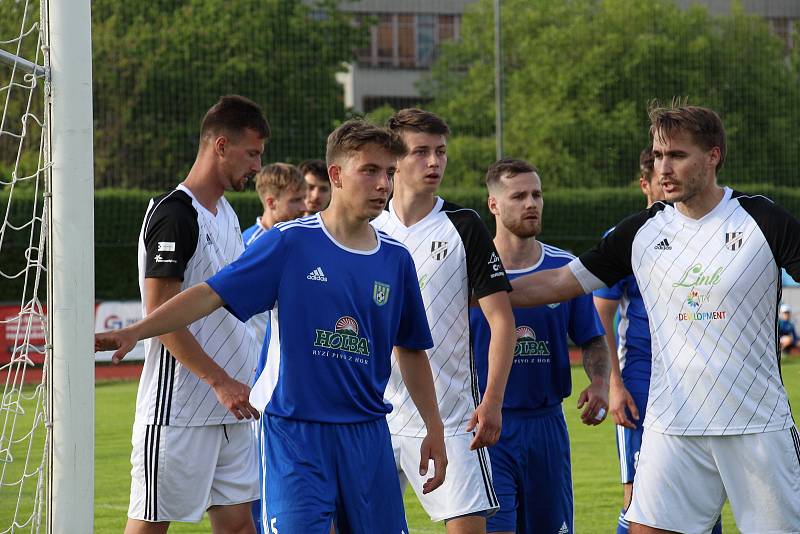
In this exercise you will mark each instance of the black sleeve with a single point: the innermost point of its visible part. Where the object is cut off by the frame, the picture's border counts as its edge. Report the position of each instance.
(485, 271)
(610, 260)
(170, 236)
(780, 228)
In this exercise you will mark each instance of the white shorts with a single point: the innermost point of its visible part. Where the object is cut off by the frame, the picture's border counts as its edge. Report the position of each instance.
(180, 472)
(682, 482)
(467, 488)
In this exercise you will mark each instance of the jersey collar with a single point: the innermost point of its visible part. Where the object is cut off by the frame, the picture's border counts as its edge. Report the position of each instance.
(437, 207)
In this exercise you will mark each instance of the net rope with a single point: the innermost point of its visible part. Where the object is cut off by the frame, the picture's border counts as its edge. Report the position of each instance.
(24, 354)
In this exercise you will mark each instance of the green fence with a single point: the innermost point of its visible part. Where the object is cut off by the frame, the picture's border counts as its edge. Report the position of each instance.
(577, 79)
(574, 219)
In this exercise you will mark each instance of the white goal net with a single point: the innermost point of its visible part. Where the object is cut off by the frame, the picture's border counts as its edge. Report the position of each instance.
(24, 162)
(46, 267)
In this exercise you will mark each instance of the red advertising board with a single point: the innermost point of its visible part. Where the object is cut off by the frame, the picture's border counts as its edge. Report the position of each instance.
(22, 336)
(17, 327)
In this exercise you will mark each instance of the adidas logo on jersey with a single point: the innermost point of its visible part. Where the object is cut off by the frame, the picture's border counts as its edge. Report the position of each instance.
(317, 275)
(664, 245)
(564, 528)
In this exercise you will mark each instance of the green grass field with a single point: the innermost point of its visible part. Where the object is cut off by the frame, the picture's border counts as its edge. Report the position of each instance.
(595, 469)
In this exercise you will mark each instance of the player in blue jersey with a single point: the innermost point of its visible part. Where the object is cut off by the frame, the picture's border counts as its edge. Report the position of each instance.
(630, 341)
(342, 295)
(630, 372)
(531, 463)
(282, 191)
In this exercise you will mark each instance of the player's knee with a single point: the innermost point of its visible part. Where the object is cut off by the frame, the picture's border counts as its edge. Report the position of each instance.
(468, 524)
(636, 528)
(137, 526)
(235, 519)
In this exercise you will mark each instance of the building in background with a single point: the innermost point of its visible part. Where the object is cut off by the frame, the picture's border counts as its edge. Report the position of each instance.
(403, 45)
(783, 15)
(407, 35)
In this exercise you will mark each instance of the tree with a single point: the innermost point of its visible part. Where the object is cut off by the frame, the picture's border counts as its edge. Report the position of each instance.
(21, 107)
(158, 66)
(579, 75)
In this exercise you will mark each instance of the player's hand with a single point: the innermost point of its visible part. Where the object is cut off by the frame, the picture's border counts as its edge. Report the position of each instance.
(235, 396)
(619, 398)
(595, 397)
(488, 418)
(433, 449)
(122, 341)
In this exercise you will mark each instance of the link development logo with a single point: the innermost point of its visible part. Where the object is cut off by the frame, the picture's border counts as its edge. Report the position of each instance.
(698, 277)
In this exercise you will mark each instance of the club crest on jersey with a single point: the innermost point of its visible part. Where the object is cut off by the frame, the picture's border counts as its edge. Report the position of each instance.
(380, 293)
(438, 250)
(343, 337)
(528, 345)
(733, 240)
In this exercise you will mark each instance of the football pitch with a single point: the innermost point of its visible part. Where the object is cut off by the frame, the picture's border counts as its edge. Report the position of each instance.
(595, 469)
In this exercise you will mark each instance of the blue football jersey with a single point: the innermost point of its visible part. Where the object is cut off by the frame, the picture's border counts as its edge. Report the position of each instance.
(336, 314)
(252, 233)
(633, 333)
(540, 374)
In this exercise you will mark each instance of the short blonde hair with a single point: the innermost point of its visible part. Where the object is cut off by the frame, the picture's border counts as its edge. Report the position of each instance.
(275, 178)
(355, 134)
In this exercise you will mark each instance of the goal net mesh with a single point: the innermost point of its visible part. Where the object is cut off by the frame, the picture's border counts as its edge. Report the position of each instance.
(24, 341)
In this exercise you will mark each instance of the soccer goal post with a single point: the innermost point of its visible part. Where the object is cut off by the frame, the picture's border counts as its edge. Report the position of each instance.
(71, 266)
(46, 268)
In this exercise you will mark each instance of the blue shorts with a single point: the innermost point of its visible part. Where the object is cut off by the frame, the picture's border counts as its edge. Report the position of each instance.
(629, 441)
(532, 474)
(314, 472)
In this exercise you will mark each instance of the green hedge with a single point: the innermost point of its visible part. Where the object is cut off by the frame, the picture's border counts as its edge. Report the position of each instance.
(573, 219)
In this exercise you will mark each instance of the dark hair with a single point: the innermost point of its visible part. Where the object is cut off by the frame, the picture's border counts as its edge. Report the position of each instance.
(703, 124)
(354, 134)
(418, 120)
(315, 167)
(507, 167)
(647, 163)
(231, 115)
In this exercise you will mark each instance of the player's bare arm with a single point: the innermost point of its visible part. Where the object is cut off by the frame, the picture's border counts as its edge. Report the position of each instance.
(545, 287)
(417, 376)
(169, 312)
(597, 364)
(488, 416)
(619, 397)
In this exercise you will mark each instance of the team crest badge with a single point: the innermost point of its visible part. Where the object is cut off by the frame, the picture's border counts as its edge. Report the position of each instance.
(733, 240)
(438, 250)
(380, 293)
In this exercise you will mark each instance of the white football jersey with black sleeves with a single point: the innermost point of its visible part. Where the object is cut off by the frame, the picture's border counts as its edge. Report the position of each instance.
(455, 257)
(181, 239)
(712, 288)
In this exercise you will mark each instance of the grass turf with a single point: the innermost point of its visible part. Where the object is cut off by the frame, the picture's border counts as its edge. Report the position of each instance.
(595, 470)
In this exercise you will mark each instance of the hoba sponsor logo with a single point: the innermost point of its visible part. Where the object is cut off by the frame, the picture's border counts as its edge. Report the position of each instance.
(344, 337)
(528, 345)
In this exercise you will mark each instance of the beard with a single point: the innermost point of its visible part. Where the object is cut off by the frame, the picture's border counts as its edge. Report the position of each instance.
(239, 184)
(522, 228)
